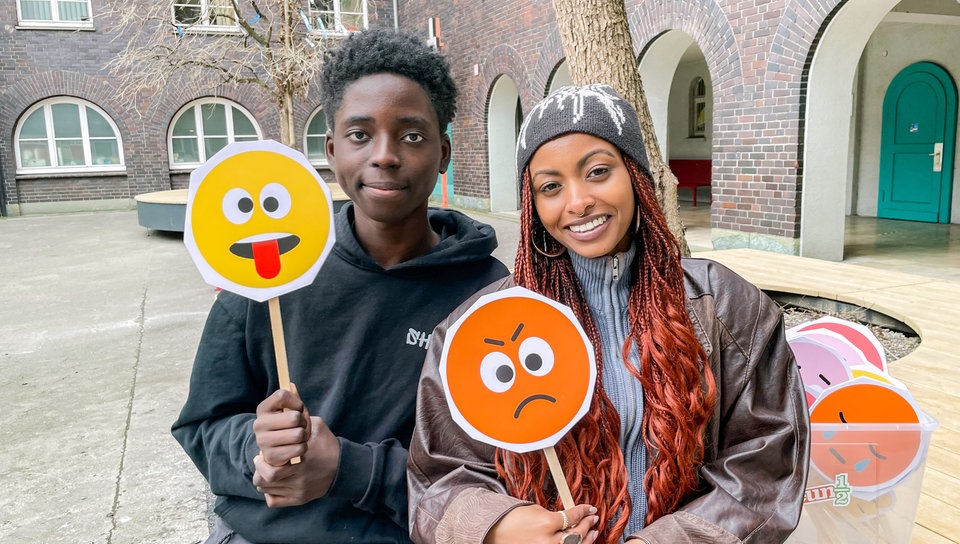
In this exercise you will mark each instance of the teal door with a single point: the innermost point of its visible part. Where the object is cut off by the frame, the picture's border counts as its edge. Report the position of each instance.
(917, 145)
(445, 179)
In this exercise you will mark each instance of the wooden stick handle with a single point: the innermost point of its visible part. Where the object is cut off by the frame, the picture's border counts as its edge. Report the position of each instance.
(279, 346)
(280, 350)
(558, 478)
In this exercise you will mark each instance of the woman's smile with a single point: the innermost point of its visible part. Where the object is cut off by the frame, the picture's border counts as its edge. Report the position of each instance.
(589, 226)
(583, 194)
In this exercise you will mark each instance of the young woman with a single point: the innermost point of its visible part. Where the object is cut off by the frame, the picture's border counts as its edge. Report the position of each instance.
(698, 429)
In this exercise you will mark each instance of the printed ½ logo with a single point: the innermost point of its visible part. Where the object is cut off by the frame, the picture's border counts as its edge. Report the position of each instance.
(417, 338)
(838, 492)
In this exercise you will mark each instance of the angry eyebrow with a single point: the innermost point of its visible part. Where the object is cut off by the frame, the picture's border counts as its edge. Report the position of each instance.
(513, 338)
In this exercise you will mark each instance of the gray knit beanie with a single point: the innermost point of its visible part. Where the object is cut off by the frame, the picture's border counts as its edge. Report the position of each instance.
(592, 109)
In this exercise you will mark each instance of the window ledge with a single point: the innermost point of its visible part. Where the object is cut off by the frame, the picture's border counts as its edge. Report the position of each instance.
(58, 174)
(54, 25)
(330, 33)
(215, 30)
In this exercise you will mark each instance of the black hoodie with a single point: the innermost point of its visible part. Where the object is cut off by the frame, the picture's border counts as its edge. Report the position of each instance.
(356, 340)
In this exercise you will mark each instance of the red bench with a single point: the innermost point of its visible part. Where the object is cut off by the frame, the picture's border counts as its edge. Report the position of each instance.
(692, 173)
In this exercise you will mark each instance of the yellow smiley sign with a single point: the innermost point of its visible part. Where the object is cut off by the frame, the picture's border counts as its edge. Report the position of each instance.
(259, 220)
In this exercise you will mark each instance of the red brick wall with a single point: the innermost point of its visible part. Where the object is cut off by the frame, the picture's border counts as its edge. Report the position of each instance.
(756, 51)
(36, 64)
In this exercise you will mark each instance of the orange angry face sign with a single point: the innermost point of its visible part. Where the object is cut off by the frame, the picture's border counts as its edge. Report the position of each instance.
(518, 370)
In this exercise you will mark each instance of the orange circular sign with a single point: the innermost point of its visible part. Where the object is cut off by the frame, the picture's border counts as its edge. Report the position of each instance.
(868, 443)
(518, 370)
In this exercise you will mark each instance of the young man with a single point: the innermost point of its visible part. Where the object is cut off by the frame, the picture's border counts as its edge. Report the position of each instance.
(357, 336)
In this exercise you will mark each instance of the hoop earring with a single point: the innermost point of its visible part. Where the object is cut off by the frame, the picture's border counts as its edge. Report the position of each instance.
(544, 235)
(636, 220)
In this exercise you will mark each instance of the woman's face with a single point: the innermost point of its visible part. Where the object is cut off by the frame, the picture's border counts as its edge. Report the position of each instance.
(583, 195)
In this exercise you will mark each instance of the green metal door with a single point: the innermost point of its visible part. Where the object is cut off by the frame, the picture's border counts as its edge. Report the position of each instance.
(441, 194)
(917, 145)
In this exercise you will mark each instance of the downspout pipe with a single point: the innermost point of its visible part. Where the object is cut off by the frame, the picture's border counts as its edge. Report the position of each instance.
(3, 197)
(396, 17)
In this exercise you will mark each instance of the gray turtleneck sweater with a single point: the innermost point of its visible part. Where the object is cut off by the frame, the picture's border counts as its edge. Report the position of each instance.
(606, 285)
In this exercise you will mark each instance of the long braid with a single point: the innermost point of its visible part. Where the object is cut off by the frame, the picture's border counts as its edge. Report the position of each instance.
(590, 453)
(676, 404)
(678, 387)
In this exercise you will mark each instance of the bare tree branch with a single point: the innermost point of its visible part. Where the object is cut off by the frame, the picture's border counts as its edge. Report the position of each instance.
(266, 44)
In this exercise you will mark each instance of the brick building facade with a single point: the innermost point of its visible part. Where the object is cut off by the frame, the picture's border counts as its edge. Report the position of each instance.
(67, 60)
(766, 63)
(795, 94)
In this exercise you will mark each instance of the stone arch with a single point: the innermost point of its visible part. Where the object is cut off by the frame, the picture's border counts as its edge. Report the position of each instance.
(827, 85)
(30, 90)
(709, 28)
(253, 99)
(502, 60)
(658, 66)
(549, 58)
(504, 98)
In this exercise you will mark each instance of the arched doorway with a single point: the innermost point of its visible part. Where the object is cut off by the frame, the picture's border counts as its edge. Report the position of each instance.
(502, 114)
(658, 68)
(918, 140)
(679, 93)
(865, 45)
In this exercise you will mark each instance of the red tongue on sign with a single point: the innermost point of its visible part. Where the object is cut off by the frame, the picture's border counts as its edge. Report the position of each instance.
(266, 257)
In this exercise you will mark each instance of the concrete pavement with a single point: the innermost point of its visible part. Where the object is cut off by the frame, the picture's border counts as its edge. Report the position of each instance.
(99, 323)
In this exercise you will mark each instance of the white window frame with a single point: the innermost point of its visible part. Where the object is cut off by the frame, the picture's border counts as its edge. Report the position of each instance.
(54, 168)
(55, 22)
(339, 29)
(198, 120)
(306, 134)
(204, 26)
(698, 100)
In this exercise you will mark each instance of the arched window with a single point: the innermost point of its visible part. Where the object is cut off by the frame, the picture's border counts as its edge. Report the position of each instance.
(65, 135)
(698, 108)
(315, 139)
(205, 126)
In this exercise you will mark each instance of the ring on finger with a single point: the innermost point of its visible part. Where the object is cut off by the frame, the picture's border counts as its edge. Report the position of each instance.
(566, 521)
(571, 538)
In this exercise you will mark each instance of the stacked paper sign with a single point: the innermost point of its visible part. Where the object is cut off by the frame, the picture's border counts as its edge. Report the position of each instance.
(868, 440)
(844, 371)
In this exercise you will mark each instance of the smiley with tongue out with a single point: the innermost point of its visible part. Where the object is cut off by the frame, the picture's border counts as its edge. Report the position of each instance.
(259, 220)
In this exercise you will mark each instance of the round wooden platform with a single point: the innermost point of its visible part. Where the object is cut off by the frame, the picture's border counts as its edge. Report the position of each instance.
(166, 210)
(162, 210)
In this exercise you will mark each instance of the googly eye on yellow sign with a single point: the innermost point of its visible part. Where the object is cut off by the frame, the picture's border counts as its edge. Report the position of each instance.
(517, 370)
(259, 220)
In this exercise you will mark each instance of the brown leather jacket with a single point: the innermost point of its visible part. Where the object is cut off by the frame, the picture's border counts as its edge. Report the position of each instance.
(757, 442)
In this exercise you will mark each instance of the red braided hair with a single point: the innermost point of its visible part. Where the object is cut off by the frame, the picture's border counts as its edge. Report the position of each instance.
(679, 390)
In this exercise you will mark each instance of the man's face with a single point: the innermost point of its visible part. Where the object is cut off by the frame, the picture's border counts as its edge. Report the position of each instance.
(386, 148)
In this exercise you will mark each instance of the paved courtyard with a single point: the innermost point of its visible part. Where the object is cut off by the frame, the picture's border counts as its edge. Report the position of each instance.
(99, 322)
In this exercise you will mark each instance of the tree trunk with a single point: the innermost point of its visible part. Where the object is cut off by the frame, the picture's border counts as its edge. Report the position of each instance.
(288, 133)
(284, 90)
(596, 40)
